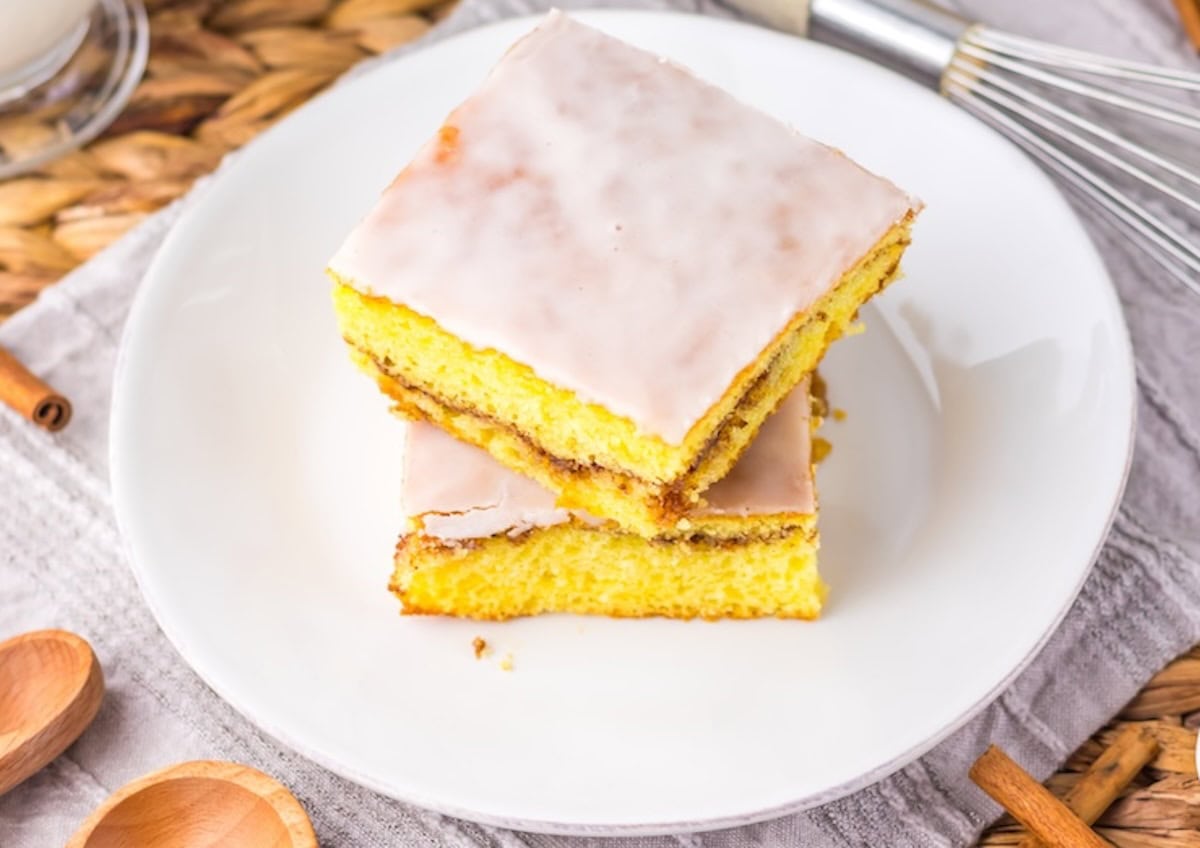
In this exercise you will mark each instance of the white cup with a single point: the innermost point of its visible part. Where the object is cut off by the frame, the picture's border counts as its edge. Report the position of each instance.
(37, 37)
(67, 67)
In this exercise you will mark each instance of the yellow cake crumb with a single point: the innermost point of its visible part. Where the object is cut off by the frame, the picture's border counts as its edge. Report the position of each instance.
(480, 646)
(575, 567)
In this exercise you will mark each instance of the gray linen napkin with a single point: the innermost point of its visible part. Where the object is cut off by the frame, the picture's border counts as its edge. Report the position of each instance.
(63, 566)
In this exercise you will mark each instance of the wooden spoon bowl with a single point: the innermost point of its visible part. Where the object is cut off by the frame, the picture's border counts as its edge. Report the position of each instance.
(51, 687)
(199, 804)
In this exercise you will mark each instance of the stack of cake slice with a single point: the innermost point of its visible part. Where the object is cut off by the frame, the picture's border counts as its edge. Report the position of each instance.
(588, 293)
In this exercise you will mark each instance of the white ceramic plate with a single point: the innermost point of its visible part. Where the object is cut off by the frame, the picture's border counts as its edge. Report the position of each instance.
(256, 477)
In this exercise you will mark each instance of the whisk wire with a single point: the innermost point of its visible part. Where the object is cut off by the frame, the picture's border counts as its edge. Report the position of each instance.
(1151, 243)
(1142, 105)
(1013, 97)
(1088, 126)
(1053, 55)
(1010, 81)
(1167, 247)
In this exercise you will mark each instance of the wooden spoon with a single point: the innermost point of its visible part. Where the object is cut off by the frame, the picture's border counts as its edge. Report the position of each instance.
(199, 804)
(50, 689)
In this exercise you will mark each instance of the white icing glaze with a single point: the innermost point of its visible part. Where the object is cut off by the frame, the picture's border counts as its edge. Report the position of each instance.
(629, 232)
(461, 492)
(775, 473)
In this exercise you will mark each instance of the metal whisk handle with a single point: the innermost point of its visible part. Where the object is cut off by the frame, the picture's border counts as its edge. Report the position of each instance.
(908, 36)
(915, 38)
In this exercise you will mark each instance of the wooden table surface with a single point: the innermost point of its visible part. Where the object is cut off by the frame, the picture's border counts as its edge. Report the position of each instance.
(220, 72)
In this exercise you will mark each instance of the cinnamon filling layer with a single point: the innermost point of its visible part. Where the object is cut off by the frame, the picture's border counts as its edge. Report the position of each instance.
(417, 540)
(670, 498)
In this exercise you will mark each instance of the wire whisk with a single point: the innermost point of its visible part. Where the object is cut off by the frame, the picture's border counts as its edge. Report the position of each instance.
(1079, 114)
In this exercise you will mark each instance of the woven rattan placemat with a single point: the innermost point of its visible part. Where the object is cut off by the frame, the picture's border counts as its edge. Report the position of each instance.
(221, 71)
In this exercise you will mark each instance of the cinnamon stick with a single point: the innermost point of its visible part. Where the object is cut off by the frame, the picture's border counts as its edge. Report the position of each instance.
(1100, 785)
(1030, 803)
(28, 395)
(1189, 16)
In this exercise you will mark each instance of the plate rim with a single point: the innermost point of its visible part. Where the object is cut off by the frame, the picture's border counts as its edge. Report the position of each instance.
(134, 319)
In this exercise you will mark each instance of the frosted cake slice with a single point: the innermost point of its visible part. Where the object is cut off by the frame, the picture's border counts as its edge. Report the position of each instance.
(484, 542)
(608, 273)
